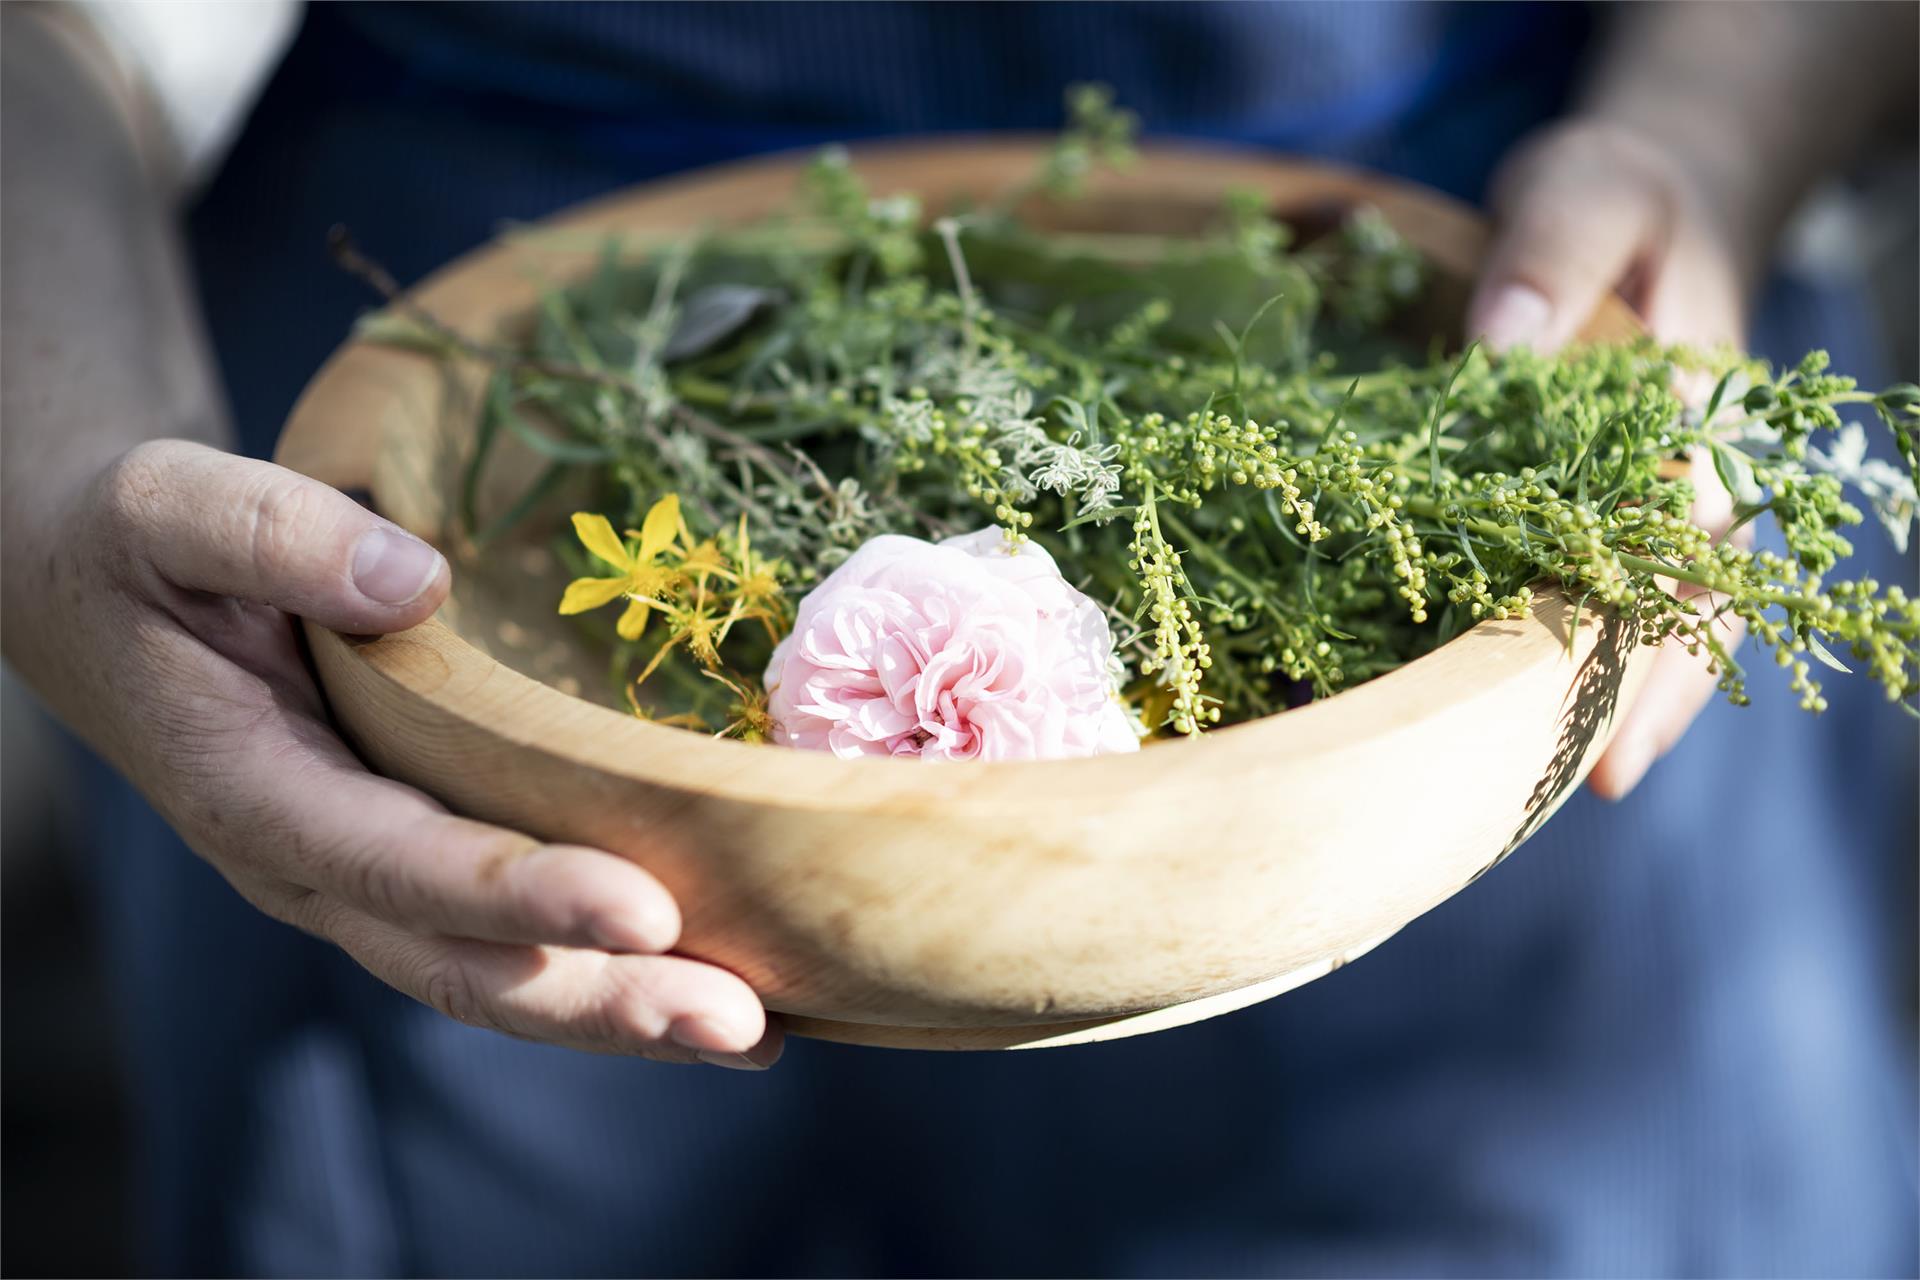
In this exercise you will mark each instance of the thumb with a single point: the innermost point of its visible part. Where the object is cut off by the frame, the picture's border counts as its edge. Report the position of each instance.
(209, 521)
(1567, 230)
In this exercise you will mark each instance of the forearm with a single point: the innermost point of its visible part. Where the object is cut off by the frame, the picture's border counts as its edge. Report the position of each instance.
(98, 332)
(1757, 101)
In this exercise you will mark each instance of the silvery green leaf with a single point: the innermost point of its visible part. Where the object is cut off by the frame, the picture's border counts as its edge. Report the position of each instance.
(1825, 655)
(1893, 504)
(1735, 470)
(1849, 449)
(1887, 489)
(713, 314)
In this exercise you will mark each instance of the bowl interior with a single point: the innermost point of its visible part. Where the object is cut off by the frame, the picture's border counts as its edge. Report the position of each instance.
(504, 596)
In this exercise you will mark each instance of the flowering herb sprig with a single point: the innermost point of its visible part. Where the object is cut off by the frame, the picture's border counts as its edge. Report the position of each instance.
(701, 589)
(1221, 438)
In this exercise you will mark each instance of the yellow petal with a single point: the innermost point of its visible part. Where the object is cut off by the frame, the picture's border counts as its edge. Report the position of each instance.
(634, 620)
(596, 535)
(662, 523)
(590, 593)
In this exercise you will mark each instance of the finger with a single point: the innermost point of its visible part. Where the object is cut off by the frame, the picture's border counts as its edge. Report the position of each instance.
(318, 820)
(664, 1007)
(1677, 690)
(1699, 296)
(1570, 224)
(1681, 683)
(1713, 504)
(209, 521)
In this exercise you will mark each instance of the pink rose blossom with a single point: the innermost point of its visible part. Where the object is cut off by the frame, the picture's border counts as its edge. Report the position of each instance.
(962, 650)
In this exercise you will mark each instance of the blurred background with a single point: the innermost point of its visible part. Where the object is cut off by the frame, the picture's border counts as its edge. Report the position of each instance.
(66, 1158)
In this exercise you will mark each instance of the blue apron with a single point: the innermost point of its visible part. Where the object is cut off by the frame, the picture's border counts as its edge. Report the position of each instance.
(1665, 1039)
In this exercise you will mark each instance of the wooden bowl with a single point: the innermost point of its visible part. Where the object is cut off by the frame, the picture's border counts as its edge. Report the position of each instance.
(956, 906)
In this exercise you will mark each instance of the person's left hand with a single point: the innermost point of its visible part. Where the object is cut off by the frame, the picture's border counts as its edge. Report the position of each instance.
(1581, 209)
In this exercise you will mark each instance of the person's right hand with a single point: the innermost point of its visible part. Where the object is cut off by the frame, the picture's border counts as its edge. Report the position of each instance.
(167, 638)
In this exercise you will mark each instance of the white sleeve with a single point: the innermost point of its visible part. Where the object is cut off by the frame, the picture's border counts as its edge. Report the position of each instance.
(201, 62)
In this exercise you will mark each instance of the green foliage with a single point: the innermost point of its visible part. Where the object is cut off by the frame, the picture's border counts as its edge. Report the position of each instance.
(1098, 134)
(1208, 437)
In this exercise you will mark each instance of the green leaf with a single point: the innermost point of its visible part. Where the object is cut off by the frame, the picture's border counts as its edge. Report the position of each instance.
(1238, 345)
(1825, 655)
(1101, 516)
(1573, 627)
(393, 329)
(1578, 471)
(1439, 412)
(1719, 394)
(714, 314)
(1466, 545)
(576, 452)
(1339, 413)
(1735, 470)
(548, 481)
(1745, 513)
(487, 430)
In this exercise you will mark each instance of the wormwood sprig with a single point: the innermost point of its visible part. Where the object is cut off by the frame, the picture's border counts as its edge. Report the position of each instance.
(1221, 438)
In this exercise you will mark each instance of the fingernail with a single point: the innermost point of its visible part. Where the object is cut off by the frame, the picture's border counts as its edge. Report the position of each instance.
(392, 567)
(731, 1061)
(705, 1035)
(1517, 316)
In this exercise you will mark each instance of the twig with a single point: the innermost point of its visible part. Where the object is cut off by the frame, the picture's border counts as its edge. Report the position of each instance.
(348, 256)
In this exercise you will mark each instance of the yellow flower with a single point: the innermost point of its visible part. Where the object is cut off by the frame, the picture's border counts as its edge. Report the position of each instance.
(699, 626)
(704, 560)
(751, 720)
(758, 584)
(641, 579)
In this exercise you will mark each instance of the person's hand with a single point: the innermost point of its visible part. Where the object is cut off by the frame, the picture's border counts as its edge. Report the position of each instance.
(168, 600)
(1585, 208)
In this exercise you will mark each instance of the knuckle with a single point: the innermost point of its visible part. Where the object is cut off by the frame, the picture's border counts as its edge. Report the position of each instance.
(1582, 164)
(277, 899)
(408, 875)
(449, 990)
(381, 884)
(507, 887)
(292, 905)
(604, 1024)
(366, 873)
(628, 1015)
(1618, 149)
(243, 829)
(283, 512)
(131, 490)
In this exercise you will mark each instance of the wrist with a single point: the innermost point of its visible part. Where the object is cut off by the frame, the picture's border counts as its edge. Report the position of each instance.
(44, 523)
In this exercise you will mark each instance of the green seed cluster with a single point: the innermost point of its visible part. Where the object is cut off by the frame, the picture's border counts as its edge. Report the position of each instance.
(1179, 655)
(1220, 440)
